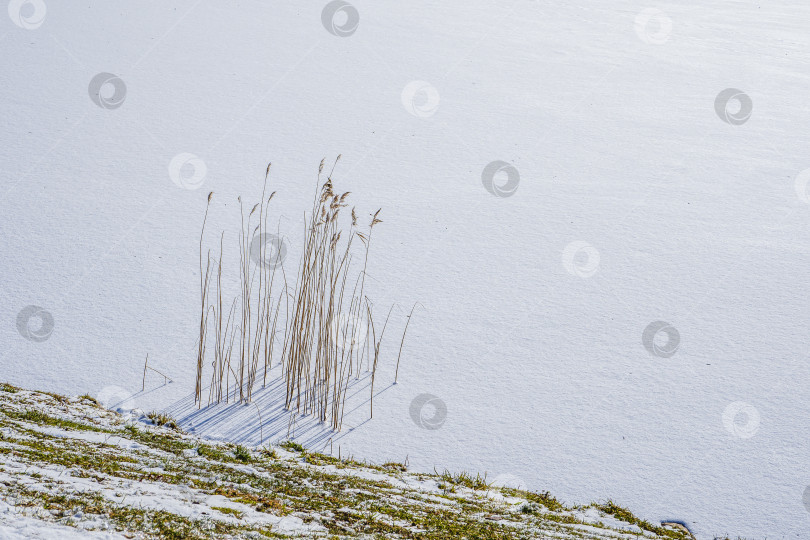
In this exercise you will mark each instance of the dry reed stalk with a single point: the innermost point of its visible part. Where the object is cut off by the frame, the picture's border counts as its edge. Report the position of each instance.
(204, 282)
(145, 362)
(401, 343)
(321, 346)
(377, 355)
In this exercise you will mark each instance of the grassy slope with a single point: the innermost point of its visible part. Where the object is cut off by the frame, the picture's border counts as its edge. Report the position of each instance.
(70, 462)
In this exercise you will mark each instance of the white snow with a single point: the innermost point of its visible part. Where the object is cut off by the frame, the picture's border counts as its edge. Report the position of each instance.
(15, 526)
(635, 203)
(102, 438)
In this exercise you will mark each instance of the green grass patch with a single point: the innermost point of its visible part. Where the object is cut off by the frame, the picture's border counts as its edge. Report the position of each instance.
(626, 515)
(242, 454)
(292, 446)
(465, 479)
(229, 511)
(90, 399)
(163, 420)
(40, 418)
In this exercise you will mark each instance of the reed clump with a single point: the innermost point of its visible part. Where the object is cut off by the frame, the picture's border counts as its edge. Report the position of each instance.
(325, 320)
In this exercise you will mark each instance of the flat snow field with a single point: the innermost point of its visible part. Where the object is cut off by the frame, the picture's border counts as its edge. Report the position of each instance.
(602, 209)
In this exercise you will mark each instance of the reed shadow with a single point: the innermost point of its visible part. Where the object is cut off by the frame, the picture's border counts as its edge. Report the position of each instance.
(266, 419)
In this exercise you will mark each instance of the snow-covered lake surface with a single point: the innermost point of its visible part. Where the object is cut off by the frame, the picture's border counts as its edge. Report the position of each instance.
(620, 312)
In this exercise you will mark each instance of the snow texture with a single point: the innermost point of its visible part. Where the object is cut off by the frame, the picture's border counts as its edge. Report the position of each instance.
(601, 208)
